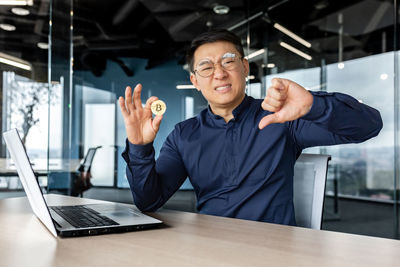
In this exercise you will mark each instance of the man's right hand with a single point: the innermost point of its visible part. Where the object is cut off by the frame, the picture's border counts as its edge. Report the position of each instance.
(140, 126)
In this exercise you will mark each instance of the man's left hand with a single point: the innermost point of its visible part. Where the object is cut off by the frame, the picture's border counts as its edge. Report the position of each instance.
(288, 100)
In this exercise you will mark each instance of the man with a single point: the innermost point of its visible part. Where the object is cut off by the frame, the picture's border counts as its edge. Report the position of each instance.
(239, 153)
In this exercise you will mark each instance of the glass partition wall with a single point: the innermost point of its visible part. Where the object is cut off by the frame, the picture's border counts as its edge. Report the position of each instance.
(35, 61)
(353, 49)
(25, 87)
(79, 57)
(62, 164)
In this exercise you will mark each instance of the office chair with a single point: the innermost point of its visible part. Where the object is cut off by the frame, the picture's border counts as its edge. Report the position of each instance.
(310, 172)
(80, 181)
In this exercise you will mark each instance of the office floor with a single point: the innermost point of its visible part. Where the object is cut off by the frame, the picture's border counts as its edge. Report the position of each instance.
(353, 216)
(360, 217)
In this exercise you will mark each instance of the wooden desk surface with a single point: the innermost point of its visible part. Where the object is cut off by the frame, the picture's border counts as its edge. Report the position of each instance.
(187, 239)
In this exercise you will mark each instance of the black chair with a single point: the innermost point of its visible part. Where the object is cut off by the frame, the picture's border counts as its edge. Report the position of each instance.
(80, 180)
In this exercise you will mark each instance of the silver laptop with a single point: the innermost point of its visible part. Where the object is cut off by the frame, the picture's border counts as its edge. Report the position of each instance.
(78, 220)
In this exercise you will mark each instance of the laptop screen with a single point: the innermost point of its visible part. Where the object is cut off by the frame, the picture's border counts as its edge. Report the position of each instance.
(28, 179)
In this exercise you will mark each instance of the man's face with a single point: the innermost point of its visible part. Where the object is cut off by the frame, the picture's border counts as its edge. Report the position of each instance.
(225, 87)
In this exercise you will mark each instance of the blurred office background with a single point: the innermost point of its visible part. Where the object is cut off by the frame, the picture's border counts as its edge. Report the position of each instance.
(64, 63)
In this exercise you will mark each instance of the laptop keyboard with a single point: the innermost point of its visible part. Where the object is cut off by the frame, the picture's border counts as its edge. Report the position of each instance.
(82, 216)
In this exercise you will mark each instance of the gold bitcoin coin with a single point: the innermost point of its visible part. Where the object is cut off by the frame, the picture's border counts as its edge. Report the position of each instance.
(158, 107)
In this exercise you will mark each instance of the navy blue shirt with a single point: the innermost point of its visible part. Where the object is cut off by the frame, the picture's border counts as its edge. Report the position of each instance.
(238, 170)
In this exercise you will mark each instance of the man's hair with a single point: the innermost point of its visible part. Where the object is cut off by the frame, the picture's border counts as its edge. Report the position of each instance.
(212, 37)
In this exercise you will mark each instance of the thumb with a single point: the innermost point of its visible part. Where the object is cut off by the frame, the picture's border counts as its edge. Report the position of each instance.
(278, 83)
(156, 122)
(267, 120)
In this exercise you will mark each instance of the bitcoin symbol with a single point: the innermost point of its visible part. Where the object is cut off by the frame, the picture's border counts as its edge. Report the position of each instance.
(158, 107)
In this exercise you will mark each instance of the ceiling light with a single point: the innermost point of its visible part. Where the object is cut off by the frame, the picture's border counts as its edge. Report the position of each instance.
(340, 65)
(20, 11)
(269, 65)
(256, 53)
(292, 35)
(295, 50)
(14, 61)
(221, 9)
(321, 5)
(16, 2)
(42, 45)
(384, 76)
(252, 77)
(185, 86)
(7, 27)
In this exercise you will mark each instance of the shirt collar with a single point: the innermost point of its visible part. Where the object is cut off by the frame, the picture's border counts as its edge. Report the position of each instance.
(236, 112)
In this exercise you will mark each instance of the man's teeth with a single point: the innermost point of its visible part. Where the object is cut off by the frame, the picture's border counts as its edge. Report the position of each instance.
(222, 88)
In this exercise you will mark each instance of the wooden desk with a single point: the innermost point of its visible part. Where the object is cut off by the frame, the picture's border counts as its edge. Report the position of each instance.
(187, 239)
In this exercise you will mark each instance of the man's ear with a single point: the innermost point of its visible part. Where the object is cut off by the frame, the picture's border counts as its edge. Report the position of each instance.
(193, 79)
(246, 67)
